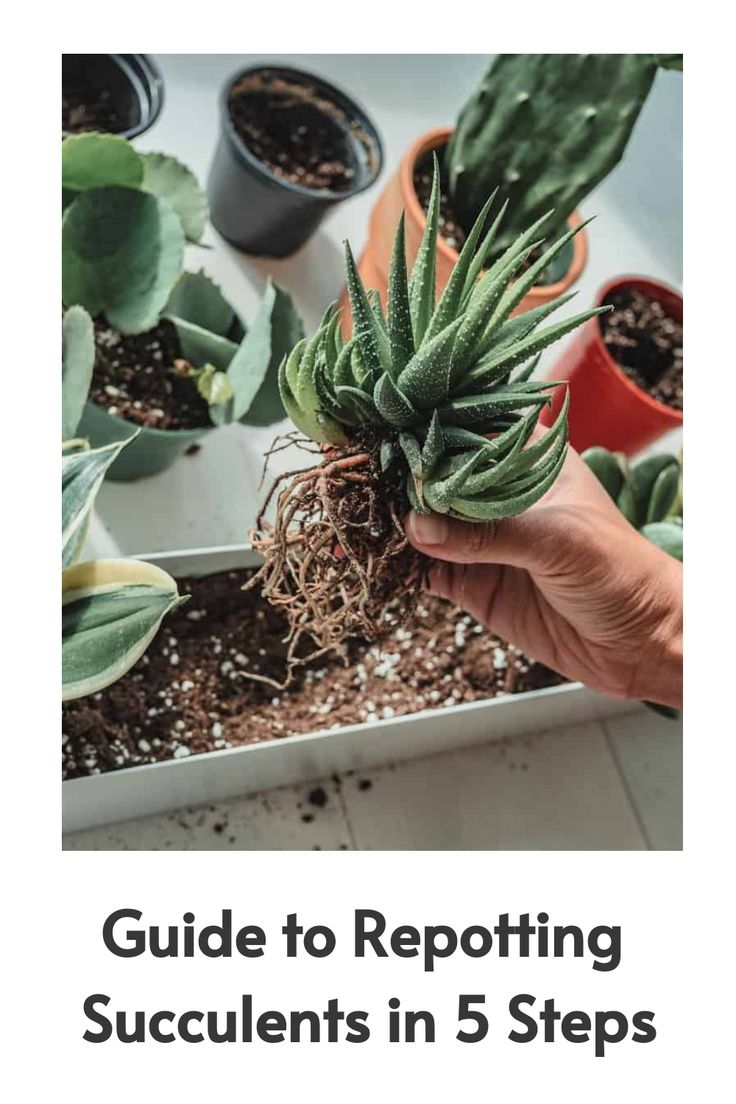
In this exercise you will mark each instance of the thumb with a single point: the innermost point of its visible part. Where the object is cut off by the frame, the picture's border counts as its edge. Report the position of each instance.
(515, 541)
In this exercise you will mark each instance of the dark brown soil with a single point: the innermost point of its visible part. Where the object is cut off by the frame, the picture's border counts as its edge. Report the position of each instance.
(82, 112)
(135, 377)
(646, 343)
(296, 131)
(449, 228)
(190, 693)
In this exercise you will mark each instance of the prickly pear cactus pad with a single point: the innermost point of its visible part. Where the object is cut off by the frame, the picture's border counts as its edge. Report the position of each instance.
(545, 129)
(430, 405)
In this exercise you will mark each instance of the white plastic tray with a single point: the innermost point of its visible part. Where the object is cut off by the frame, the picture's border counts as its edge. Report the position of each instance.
(161, 787)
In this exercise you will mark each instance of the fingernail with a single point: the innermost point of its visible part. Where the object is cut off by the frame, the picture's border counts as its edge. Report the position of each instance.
(429, 528)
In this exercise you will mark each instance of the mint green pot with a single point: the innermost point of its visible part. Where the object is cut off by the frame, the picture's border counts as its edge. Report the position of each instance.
(153, 451)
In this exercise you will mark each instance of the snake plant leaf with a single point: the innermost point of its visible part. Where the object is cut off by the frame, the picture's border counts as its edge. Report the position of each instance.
(253, 370)
(422, 286)
(608, 469)
(82, 473)
(77, 362)
(111, 610)
(196, 298)
(122, 253)
(401, 336)
(166, 177)
(99, 161)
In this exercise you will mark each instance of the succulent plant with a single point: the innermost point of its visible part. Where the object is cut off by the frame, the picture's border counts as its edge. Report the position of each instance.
(111, 609)
(126, 219)
(648, 492)
(545, 129)
(433, 385)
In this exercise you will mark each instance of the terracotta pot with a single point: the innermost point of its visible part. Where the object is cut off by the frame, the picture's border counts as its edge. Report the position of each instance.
(398, 195)
(606, 408)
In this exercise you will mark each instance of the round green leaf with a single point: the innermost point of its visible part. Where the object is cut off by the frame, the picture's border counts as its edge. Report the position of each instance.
(99, 161)
(167, 178)
(122, 253)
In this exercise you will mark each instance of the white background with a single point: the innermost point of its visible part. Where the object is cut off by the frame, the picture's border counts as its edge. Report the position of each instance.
(673, 907)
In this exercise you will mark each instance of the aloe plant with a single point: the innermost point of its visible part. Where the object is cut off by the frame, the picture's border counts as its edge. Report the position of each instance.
(648, 492)
(443, 390)
(127, 217)
(111, 609)
(545, 129)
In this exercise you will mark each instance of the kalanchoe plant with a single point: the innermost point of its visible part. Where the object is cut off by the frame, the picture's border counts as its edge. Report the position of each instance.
(126, 219)
(545, 129)
(111, 609)
(430, 405)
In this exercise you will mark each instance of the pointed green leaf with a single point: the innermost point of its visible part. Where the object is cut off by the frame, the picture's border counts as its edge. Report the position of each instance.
(422, 286)
(434, 444)
(394, 407)
(368, 332)
(450, 302)
(77, 362)
(253, 369)
(111, 610)
(426, 379)
(401, 337)
(200, 346)
(197, 298)
(410, 448)
(529, 346)
(82, 473)
(528, 279)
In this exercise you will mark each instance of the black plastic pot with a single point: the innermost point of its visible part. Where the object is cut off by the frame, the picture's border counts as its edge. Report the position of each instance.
(266, 214)
(133, 81)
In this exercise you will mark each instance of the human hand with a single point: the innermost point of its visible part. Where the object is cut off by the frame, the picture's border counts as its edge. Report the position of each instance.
(572, 583)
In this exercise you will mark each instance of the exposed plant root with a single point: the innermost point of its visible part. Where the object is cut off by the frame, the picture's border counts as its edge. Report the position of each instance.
(336, 559)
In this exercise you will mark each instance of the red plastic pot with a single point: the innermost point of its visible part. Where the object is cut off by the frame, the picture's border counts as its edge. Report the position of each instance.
(606, 408)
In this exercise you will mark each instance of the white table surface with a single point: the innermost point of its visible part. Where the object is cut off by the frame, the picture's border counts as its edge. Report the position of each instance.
(613, 785)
